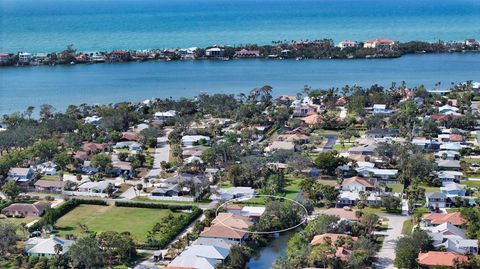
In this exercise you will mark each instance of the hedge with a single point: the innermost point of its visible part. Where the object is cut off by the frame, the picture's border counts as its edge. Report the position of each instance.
(155, 205)
(53, 214)
(168, 235)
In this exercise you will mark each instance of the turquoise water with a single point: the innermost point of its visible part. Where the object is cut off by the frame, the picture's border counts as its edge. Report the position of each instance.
(91, 25)
(107, 83)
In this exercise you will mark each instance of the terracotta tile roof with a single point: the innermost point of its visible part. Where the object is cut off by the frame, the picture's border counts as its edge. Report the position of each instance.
(319, 239)
(130, 136)
(313, 119)
(220, 231)
(92, 146)
(360, 180)
(234, 207)
(439, 218)
(438, 258)
(81, 155)
(342, 213)
(222, 226)
(456, 138)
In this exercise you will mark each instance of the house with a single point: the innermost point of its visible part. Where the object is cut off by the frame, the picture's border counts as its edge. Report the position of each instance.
(195, 262)
(448, 110)
(433, 259)
(232, 193)
(380, 175)
(345, 213)
(447, 155)
(94, 120)
(81, 155)
(436, 200)
(313, 119)
(379, 43)
(247, 53)
(49, 185)
(343, 251)
(301, 138)
(94, 187)
(380, 109)
(448, 165)
(24, 57)
(216, 242)
(350, 198)
(46, 247)
(356, 184)
(344, 44)
(164, 116)
(448, 176)
(215, 52)
(470, 42)
(4, 57)
(193, 140)
(165, 190)
(193, 159)
(453, 189)
(454, 218)
(252, 212)
(301, 109)
(129, 136)
(47, 168)
(196, 151)
(93, 147)
(451, 146)
(205, 251)
(119, 168)
(26, 210)
(280, 145)
(364, 150)
(22, 176)
(131, 145)
(228, 226)
(382, 133)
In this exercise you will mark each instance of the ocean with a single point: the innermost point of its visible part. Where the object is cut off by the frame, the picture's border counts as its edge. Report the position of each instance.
(61, 86)
(97, 25)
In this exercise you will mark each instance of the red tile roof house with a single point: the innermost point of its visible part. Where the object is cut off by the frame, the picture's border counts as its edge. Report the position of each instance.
(89, 147)
(435, 219)
(434, 259)
(26, 210)
(342, 252)
(356, 184)
(228, 226)
(129, 136)
(247, 53)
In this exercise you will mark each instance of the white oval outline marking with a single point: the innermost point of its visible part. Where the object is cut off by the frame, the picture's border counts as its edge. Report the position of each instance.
(263, 195)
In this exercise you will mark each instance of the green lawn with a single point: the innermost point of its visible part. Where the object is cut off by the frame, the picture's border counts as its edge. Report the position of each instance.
(292, 188)
(396, 187)
(471, 183)
(224, 185)
(338, 147)
(18, 221)
(407, 227)
(137, 221)
(429, 188)
(51, 178)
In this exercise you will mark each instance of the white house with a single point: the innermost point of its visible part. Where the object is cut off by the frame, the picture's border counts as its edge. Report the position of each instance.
(379, 43)
(24, 57)
(163, 116)
(449, 176)
(232, 192)
(436, 200)
(95, 120)
(215, 52)
(447, 109)
(47, 168)
(45, 247)
(192, 140)
(347, 44)
(380, 109)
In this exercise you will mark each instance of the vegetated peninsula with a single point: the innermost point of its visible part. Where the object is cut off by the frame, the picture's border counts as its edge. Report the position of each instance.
(304, 49)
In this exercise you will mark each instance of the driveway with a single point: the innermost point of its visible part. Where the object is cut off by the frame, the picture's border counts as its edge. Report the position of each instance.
(331, 139)
(386, 255)
(162, 151)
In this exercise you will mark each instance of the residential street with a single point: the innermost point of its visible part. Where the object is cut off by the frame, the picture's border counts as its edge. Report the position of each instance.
(162, 151)
(386, 255)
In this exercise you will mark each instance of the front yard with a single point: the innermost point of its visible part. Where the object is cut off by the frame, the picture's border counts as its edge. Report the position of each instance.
(137, 221)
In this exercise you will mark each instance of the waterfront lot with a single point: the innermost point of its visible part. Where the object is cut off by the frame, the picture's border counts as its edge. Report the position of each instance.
(137, 221)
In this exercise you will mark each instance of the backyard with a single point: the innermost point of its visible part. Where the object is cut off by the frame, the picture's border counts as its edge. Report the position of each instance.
(137, 221)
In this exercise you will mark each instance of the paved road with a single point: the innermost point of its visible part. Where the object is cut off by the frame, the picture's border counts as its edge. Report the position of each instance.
(331, 139)
(162, 151)
(386, 255)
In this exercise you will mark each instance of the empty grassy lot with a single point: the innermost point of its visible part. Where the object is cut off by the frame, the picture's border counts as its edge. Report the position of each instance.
(137, 221)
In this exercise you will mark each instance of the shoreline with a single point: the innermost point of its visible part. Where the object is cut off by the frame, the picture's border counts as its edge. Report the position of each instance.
(296, 50)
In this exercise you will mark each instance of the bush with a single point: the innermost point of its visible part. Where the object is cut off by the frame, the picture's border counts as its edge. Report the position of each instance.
(159, 206)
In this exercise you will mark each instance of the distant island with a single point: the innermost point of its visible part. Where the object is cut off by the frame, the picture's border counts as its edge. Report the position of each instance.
(299, 50)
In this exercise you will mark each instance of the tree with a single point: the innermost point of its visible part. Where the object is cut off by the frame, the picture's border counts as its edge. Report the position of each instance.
(11, 190)
(110, 189)
(370, 221)
(46, 111)
(329, 161)
(86, 252)
(102, 161)
(62, 159)
(391, 203)
(8, 234)
(115, 244)
(408, 247)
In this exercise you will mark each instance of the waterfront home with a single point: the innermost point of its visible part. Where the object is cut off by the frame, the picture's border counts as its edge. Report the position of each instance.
(247, 53)
(94, 120)
(345, 213)
(434, 259)
(47, 247)
(344, 44)
(195, 262)
(24, 57)
(49, 185)
(26, 210)
(215, 52)
(23, 176)
(216, 242)
(228, 226)
(471, 42)
(164, 116)
(4, 57)
(379, 43)
(434, 219)
(208, 255)
(252, 212)
(193, 140)
(436, 200)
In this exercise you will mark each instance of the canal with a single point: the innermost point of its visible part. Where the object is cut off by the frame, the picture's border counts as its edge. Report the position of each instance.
(266, 256)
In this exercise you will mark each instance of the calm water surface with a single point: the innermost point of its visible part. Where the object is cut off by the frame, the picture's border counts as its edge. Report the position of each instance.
(268, 255)
(107, 83)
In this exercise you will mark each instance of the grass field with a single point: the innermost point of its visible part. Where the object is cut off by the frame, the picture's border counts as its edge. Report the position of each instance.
(471, 183)
(407, 227)
(396, 187)
(429, 188)
(18, 221)
(137, 221)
